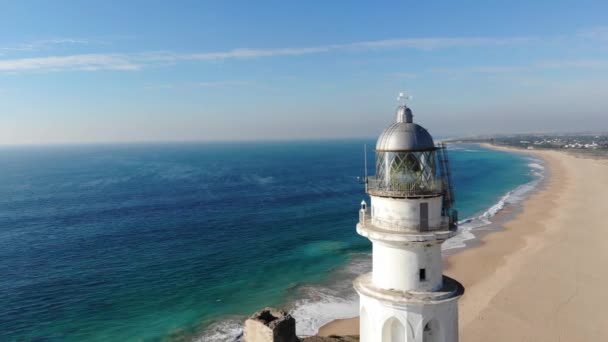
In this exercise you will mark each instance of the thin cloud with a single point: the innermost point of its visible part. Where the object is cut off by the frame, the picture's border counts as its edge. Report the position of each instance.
(63, 41)
(205, 84)
(253, 53)
(435, 43)
(39, 44)
(89, 62)
(116, 61)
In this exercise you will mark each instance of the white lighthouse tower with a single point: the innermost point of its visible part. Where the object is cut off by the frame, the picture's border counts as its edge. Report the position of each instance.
(406, 297)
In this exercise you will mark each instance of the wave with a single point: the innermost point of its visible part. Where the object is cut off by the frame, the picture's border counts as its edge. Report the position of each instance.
(229, 330)
(317, 305)
(336, 299)
(465, 227)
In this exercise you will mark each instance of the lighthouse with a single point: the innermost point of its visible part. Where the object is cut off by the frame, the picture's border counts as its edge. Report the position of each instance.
(406, 297)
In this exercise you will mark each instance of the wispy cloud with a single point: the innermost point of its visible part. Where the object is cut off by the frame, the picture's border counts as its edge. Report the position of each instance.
(63, 41)
(40, 44)
(116, 61)
(205, 84)
(135, 61)
(89, 62)
(435, 43)
(252, 53)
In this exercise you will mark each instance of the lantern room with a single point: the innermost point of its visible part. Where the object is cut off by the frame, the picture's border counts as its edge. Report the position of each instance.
(405, 160)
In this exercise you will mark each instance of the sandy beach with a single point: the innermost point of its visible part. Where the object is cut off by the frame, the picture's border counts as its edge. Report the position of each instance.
(541, 277)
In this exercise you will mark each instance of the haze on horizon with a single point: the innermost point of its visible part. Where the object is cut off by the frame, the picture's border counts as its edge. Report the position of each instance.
(74, 72)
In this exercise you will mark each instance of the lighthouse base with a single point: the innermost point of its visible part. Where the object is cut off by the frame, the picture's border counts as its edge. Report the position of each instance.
(399, 316)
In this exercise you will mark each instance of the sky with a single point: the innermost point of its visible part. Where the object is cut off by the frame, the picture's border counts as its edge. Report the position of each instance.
(136, 71)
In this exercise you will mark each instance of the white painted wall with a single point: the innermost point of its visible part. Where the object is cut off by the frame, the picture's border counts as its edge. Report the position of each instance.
(398, 267)
(413, 318)
(403, 214)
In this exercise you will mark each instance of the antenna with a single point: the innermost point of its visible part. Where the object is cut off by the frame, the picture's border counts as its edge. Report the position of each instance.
(403, 97)
(365, 160)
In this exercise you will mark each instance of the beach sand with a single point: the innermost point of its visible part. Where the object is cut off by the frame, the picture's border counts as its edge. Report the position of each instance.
(543, 276)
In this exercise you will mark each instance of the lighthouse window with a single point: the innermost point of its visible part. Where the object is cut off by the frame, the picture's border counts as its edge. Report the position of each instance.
(410, 171)
(422, 274)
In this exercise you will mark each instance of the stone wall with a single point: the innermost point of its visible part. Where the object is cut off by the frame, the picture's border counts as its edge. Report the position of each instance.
(270, 325)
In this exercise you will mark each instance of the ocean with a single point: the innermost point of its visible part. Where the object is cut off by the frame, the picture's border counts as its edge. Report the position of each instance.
(180, 242)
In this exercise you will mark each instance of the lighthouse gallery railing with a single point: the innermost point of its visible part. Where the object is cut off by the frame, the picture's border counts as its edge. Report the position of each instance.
(380, 187)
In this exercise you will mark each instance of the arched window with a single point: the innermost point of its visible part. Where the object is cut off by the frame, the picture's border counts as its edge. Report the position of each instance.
(393, 331)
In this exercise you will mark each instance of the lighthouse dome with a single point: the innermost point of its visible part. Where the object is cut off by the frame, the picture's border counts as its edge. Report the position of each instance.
(404, 135)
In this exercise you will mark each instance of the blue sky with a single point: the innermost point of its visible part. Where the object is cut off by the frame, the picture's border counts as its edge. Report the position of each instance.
(224, 70)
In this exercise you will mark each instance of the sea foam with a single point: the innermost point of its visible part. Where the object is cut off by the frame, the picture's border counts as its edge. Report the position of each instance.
(467, 226)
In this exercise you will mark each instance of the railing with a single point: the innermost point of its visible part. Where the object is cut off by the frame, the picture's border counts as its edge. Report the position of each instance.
(447, 223)
(380, 187)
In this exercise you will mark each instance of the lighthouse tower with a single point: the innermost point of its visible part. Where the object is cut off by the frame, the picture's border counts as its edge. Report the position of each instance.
(406, 297)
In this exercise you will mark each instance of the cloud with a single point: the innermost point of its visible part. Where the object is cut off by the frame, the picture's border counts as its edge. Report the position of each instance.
(89, 62)
(39, 44)
(136, 61)
(206, 84)
(435, 43)
(118, 61)
(62, 41)
(412, 43)
(252, 53)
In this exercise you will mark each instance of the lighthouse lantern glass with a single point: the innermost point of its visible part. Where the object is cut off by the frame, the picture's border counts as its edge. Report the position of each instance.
(412, 170)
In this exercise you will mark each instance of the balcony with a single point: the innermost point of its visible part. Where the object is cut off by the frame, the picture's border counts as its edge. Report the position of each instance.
(366, 228)
(380, 187)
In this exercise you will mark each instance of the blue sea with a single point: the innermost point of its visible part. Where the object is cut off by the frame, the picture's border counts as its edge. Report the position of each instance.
(180, 242)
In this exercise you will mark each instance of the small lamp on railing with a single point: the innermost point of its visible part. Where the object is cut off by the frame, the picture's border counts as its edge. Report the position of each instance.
(363, 211)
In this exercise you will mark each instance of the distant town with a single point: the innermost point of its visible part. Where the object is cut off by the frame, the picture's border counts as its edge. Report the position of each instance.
(545, 141)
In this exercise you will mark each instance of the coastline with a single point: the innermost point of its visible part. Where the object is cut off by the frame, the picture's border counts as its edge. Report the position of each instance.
(507, 273)
(473, 229)
(316, 307)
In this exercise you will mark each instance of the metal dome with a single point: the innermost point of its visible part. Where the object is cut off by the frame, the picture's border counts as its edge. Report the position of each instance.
(404, 135)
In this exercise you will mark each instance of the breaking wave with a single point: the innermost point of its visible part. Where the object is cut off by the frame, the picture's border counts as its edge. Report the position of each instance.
(467, 226)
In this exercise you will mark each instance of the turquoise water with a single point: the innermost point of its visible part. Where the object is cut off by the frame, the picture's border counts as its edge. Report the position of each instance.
(175, 241)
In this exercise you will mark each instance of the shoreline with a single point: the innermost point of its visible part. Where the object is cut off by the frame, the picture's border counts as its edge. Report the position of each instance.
(481, 237)
(316, 307)
(350, 326)
(525, 280)
(474, 228)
